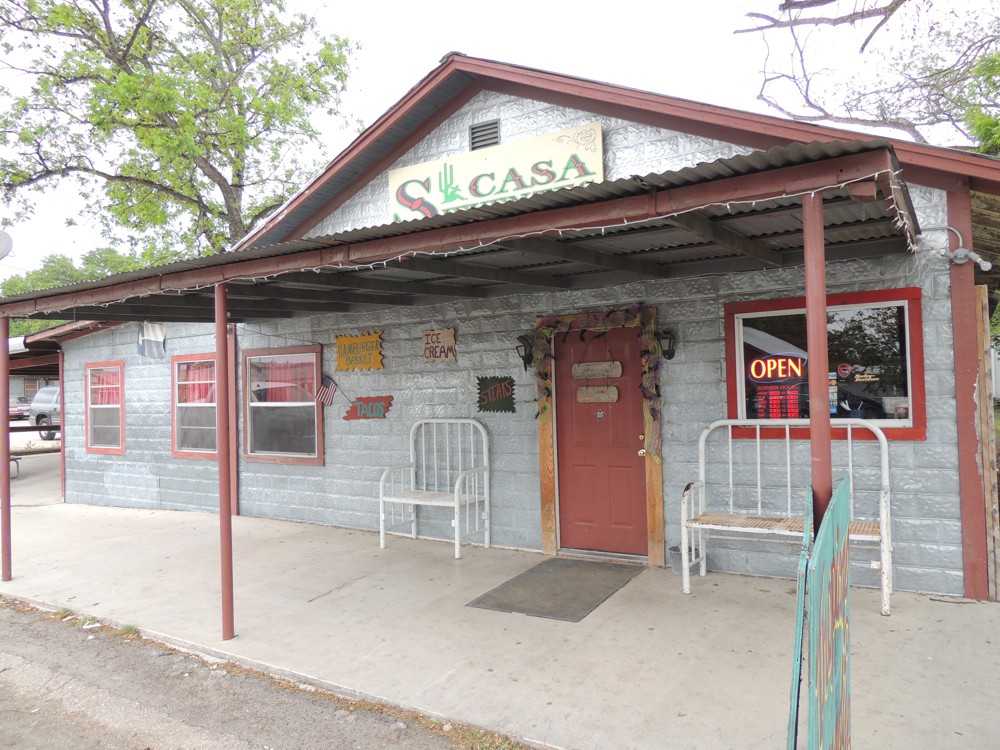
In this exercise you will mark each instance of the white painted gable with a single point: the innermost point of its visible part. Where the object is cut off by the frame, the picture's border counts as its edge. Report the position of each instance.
(630, 148)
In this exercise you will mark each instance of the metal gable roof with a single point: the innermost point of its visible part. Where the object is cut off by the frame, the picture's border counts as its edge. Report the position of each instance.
(460, 76)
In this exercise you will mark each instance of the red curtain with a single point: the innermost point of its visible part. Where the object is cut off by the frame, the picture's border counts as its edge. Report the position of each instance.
(288, 379)
(105, 387)
(196, 382)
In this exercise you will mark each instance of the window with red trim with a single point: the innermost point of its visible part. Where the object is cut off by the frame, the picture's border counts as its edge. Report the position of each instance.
(194, 413)
(875, 349)
(283, 418)
(104, 393)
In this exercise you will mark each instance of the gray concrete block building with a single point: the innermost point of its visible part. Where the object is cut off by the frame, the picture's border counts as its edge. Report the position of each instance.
(636, 267)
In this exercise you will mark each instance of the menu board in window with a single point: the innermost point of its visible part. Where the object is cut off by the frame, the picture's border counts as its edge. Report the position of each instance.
(775, 386)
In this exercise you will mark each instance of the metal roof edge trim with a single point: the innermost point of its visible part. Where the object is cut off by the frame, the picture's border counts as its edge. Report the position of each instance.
(797, 130)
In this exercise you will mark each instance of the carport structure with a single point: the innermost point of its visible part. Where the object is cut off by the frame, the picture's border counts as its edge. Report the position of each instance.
(820, 196)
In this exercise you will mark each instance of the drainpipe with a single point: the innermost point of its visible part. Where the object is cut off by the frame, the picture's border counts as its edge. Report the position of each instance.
(5, 448)
(819, 364)
(222, 388)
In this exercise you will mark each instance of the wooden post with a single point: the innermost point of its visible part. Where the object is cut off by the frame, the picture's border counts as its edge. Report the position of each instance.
(222, 388)
(819, 365)
(988, 443)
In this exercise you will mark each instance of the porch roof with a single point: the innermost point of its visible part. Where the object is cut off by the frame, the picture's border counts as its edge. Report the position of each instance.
(37, 354)
(736, 214)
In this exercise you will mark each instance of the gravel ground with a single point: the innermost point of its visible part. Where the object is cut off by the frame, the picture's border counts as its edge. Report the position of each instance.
(66, 681)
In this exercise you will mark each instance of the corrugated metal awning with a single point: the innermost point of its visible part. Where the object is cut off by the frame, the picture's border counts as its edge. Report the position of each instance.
(742, 213)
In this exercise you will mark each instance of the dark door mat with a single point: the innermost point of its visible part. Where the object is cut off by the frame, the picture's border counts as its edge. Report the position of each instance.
(559, 588)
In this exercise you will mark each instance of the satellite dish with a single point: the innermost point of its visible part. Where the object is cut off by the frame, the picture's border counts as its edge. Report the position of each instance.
(6, 243)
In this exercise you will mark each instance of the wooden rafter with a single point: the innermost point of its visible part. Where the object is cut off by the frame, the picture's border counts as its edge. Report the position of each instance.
(577, 253)
(484, 273)
(727, 238)
(321, 280)
(333, 299)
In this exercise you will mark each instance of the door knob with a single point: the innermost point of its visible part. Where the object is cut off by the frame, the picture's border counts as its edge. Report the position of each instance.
(642, 451)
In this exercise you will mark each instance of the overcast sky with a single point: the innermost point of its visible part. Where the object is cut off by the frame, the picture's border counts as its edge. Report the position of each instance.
(682, 49)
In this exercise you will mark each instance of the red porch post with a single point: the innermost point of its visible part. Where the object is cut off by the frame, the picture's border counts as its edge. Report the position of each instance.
(819, 365)
(5, 446)
(973, 500)
(222, 389)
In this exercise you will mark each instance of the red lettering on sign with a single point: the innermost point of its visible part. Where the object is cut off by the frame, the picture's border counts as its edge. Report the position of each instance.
(371, 407)
(416, 203)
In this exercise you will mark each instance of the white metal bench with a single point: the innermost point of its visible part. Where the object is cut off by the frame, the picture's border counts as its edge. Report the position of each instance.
(449, 468)
(743, 502)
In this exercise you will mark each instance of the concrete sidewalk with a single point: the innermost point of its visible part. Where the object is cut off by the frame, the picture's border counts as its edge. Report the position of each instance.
(649, 668)
(38, 480)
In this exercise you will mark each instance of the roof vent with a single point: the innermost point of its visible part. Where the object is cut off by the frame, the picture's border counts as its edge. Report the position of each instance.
(484, 134)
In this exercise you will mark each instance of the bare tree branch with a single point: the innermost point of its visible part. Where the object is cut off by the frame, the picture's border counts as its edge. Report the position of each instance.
(922, 78)
(882, 12)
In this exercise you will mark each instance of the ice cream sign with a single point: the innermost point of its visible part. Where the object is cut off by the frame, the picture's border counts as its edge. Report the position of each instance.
(565, 158)
(777, 368)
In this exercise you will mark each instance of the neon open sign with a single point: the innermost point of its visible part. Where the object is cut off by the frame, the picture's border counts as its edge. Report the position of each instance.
(777, 368)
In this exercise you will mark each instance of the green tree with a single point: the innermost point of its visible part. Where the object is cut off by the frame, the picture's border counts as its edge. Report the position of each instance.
(184, 122)
(917, 67)
(984, 116)
(59, 270)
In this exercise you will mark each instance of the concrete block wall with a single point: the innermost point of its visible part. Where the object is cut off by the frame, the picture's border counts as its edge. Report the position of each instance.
(345, 491)
(926, 520)
(924, 480)
(146, 476)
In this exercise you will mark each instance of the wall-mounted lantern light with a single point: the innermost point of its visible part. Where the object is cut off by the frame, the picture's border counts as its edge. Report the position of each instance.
(526, 349)
(668, 343)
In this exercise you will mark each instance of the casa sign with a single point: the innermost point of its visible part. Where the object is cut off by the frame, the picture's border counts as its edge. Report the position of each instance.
(566, 158)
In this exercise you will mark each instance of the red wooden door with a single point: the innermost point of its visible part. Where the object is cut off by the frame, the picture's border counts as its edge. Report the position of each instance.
(602, 481)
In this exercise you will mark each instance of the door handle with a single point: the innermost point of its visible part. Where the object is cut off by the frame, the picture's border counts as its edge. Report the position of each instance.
(642, 451)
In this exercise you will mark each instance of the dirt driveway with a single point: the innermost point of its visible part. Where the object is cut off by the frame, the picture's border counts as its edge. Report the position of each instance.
(66, 681)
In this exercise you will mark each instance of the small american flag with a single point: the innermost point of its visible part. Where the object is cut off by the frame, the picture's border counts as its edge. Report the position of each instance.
(327, 390)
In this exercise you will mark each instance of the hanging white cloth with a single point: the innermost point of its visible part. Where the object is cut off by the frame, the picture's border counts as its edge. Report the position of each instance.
(152, 340)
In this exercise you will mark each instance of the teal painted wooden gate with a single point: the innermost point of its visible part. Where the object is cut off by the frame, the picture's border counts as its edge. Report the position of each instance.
(823, 593)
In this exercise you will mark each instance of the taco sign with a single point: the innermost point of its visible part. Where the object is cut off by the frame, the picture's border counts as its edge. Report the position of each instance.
(566, 158)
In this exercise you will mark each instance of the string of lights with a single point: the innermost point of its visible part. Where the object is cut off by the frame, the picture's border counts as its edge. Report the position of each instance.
(901, 220)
